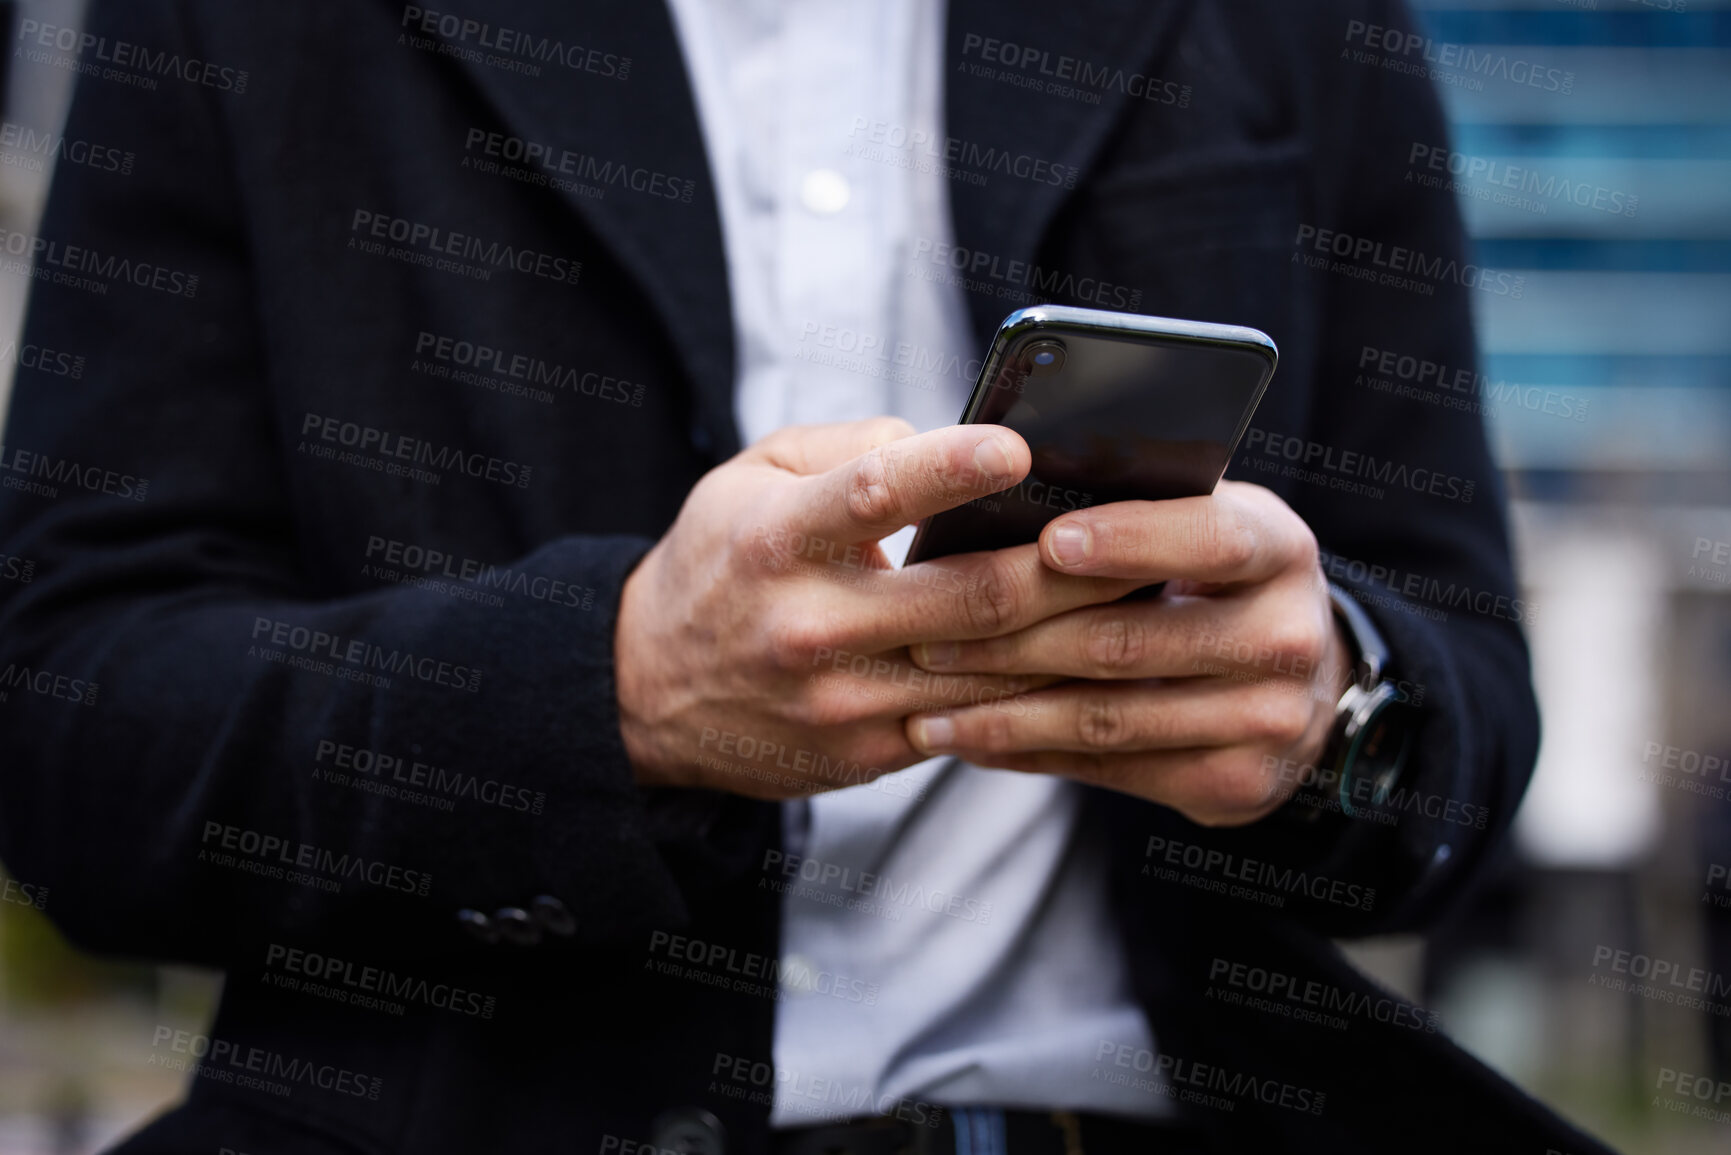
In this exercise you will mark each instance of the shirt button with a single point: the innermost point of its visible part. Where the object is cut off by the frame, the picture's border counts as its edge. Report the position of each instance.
(553, 915)
(478, 925)
(824, 191)
(516, 926)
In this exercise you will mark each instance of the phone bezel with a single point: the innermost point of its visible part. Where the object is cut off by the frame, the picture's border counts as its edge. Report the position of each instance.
(1058, 320)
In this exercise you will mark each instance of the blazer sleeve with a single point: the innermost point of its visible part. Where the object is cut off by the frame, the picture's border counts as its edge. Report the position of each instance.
(1429, 558)
(169, 545)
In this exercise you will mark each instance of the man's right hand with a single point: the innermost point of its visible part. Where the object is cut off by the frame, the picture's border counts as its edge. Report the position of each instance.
(761, 647)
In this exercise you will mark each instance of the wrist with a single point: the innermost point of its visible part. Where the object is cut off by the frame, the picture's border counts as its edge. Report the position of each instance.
(633, 682)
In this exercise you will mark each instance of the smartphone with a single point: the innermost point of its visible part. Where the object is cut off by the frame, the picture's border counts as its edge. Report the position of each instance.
(1114, 406)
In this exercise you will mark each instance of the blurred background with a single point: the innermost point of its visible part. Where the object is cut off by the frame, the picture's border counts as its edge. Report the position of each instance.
(1608, 386)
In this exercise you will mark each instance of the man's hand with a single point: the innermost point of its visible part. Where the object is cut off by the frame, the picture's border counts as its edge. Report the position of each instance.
(761, 646)
(1187, 694)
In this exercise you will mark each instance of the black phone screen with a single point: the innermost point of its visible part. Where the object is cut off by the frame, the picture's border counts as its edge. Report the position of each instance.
(1107, 418)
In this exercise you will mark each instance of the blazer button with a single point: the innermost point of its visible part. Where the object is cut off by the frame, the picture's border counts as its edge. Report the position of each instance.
(478, 925)
(553, 915)
(516, 926)
(689, 1131)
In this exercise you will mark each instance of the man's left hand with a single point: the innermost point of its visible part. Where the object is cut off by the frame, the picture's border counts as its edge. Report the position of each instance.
(1198, 699)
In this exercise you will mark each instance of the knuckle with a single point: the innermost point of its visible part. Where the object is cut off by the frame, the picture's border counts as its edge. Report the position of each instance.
(1281, 717)
(823, 707)
(992, 603)
(1304, 544)
(1101, 723)
(1117, 643)
(792, 641)
(1239, 792)
(988, 730)
(1225, 538)
(871, 494)
(1292, 636)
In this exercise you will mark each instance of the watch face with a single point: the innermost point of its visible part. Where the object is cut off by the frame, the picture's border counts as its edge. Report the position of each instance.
(1378, 746)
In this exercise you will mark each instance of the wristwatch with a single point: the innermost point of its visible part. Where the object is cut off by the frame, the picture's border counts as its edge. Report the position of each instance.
(1374, 726)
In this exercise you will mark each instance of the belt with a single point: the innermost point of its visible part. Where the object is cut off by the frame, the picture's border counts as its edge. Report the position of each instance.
(992, 1131)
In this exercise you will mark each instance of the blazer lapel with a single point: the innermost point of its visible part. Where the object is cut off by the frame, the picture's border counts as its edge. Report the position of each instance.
(606, 84)
(1100, 48)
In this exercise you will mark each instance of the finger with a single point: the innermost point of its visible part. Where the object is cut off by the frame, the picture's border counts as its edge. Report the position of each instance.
(1215, 786)
(848, 688)
(1121, 718)
(899, 482)
(976, 595)
(1276, 636)
(812, 449)
(1240, 533)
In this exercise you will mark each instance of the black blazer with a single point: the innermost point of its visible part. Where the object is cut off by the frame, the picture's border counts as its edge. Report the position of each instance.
(366, 436)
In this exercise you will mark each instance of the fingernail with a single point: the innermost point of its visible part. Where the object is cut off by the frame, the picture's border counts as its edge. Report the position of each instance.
(934, 733)
(1071, 544)
(937, 654)
(992, 458)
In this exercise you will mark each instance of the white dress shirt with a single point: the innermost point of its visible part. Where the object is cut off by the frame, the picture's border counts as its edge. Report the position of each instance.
(965, 903)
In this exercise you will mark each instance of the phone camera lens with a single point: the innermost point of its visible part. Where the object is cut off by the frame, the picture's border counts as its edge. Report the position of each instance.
(1045, 358)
